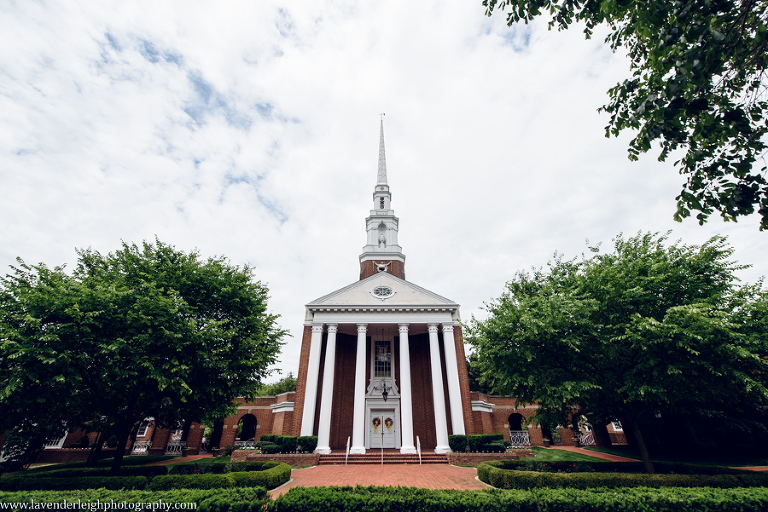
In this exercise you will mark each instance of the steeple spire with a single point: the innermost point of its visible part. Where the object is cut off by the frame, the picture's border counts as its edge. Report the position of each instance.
(382, 174)
(382, 253)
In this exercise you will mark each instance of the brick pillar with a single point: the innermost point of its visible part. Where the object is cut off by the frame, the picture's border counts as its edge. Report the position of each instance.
(160, 439)
(195, 438)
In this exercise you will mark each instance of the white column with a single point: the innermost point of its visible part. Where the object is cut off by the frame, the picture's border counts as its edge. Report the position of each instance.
(452, 371)
(326, 400)
(438, 395)
(406, 403)
(358, 418)
(310, 390)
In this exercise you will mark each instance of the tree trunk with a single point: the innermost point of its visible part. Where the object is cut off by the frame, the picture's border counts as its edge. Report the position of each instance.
(93, 457)
(645, 456)
(124, 431)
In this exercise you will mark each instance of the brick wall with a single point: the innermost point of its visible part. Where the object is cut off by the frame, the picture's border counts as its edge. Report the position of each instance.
(368, 268)
(421, 386)
(461, 361)
(342, 409)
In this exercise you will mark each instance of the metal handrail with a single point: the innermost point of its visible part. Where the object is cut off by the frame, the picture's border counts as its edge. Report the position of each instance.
(418, 448)
(346, 458)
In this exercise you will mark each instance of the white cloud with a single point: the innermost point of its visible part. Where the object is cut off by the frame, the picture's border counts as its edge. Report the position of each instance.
(251, 130)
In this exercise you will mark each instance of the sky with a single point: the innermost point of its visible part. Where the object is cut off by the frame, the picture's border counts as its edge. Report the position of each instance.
(250, 129)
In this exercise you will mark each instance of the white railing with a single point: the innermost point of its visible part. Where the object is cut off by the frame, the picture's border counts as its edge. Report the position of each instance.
(140, 447)
(175, 447)
(245, 444)
(587, 439)
(418, 448)
(56, 444)
(346, 457)
(519, 438)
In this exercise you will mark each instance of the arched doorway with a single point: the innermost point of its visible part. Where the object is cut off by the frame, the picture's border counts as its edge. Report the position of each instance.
(518, 435)
(246, 428)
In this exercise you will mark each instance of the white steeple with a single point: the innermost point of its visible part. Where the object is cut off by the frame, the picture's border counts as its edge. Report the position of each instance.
(382, 224)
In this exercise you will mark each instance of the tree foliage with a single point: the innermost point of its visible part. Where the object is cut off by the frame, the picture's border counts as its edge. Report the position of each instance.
(626, 335)
(145, 331)
(284, 385)
(698, 84)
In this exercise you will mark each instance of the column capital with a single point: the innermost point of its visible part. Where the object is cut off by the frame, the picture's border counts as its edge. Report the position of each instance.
(403, 328)
(317, 328)
(448, 327)
(333, 328)
(432, 328)
(362, 328)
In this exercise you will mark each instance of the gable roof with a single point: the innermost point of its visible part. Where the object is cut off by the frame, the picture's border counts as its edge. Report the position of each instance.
(360, 294)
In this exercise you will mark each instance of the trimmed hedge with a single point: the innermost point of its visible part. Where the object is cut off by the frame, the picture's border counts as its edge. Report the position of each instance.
(390, 499)
(493, 473)
(268, 474)
(269, 478)
(148, 471)
(207, 481)
(20, 483)
(307, 444)
(458, 443)
(246, 499)
(485, 442)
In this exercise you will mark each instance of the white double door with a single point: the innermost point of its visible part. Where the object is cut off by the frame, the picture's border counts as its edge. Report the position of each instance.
(382, 428)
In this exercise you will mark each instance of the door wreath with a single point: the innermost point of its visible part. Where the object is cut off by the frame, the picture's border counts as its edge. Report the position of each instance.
(376, 423)
(388, 422)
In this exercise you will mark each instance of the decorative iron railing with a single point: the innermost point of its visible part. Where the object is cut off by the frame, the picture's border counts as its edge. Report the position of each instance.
(175, 447)
(519, 438)
(587, 439)
(140, 447)
(244, 444)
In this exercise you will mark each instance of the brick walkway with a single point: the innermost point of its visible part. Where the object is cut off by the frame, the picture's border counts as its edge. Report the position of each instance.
(425, 476)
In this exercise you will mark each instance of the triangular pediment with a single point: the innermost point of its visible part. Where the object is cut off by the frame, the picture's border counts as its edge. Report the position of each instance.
(382, 290)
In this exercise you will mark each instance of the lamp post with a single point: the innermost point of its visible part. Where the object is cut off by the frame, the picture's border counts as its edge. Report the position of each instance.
(384, 395)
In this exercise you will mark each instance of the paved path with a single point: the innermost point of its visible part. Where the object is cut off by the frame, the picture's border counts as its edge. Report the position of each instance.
(426, 476)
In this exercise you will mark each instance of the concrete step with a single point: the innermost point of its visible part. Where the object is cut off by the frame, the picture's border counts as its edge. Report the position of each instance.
(389, 458)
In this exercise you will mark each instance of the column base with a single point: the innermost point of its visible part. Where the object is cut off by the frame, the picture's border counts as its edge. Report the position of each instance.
(357, 450)
(443, 449)
(323, 450)
(408, 449)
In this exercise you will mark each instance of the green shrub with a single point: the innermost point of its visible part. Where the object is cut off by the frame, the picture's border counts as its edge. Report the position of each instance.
(205, 481)
(245, 499)
(457, 443)
(23, 483)
(269, 478)
(148, 471)
(270, 438)
(83, 442)
(227, 451)
(267, 447)
(374, 499)
(480, 442)
(287, 444)
(493, 473)
(306, 444)
(112, 441)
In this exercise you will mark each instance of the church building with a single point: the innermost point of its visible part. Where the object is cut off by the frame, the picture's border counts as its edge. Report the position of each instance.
(382, 359)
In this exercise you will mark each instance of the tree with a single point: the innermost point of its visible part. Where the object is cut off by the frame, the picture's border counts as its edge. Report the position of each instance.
(284, 385)
(627, 335)
(145, 331)
(698, 84)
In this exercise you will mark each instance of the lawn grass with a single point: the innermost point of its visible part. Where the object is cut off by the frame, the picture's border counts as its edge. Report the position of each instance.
(705, 459)
(133, 460)
(553, 454)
